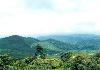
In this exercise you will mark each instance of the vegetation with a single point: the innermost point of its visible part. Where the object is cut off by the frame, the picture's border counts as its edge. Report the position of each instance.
(21, 53)
(17, 45)
(66, 61)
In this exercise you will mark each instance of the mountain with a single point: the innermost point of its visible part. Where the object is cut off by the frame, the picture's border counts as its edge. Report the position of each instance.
(76, 41)
(25, 46)
(71, 37)
(17, 45)
(59, 44)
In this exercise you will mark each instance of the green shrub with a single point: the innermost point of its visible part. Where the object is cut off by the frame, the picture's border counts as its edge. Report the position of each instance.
(66, 56)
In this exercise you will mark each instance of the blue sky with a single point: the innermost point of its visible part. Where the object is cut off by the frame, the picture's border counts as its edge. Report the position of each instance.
(35, 17)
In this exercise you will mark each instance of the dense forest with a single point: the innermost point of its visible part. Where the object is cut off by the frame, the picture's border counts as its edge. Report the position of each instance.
(71, 52)
(42, 61)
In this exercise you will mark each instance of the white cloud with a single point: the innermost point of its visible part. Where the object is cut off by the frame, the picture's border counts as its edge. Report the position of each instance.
(16, 19)
(63, 5)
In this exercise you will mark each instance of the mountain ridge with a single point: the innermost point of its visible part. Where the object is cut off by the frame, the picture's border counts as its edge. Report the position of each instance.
(18, 45)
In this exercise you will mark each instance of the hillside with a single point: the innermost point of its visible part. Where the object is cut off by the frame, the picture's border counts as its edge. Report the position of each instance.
(17, 45)
(25, 46)
(76, 41)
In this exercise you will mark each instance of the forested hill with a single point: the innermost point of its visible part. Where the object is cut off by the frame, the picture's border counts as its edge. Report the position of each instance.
(17, 45)
(25, 46)
(71, 37)
(77, 41)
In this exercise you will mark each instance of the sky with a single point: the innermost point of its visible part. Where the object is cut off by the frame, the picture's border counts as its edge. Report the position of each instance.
(37, 17)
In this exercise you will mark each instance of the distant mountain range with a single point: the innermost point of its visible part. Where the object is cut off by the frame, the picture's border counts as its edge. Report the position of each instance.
(76, 41)
(23, 46)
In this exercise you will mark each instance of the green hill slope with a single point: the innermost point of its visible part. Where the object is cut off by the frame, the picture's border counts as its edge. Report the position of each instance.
(76, 41)
(17, 45)
(25, 46)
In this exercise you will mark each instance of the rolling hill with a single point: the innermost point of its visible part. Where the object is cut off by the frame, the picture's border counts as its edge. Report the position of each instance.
(76, 41)
(17, 45)
(25, 46)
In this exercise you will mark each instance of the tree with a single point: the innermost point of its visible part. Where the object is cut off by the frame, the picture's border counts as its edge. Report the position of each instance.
(66, 56)
(5, 60)
(40, 51)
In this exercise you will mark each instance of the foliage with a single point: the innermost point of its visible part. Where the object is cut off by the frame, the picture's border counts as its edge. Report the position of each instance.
(17, 45)
(40, 52)
(72, 62)
(26, 56)
(66, 56)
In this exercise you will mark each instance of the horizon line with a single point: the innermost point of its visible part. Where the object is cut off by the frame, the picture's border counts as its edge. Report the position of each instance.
(52, 34)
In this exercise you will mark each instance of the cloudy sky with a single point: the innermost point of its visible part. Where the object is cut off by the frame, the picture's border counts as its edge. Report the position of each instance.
(35, 17)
